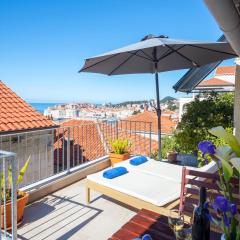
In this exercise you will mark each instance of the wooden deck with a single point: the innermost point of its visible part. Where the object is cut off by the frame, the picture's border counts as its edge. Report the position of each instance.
(148, 222)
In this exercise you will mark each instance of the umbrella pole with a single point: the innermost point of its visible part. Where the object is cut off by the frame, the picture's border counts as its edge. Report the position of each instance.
(158, 113)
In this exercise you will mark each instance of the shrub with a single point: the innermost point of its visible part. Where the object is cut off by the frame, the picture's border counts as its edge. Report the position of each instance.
(200, 116)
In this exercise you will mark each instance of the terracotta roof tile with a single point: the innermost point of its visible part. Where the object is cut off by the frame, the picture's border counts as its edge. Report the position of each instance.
(214, 82)
(16, 114)
(225, 70)
(168, 124)
(90, 137)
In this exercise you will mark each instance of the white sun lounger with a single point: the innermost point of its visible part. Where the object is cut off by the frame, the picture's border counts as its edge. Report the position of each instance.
(164, 169)
(157, 168)
(137, 189)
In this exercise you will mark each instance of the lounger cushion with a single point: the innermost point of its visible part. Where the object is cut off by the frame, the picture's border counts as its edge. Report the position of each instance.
(147, 187)
(137, 160)
(114, 172)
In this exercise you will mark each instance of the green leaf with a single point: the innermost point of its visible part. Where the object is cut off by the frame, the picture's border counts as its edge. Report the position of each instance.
(223, 152)
(23, 170)
(236, 163)
(227, 170)
(229, 138)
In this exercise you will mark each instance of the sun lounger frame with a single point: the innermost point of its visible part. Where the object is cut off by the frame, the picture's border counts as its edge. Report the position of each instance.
(128, 199)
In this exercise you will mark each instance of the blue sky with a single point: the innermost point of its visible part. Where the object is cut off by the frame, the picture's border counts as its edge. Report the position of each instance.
(43, 44)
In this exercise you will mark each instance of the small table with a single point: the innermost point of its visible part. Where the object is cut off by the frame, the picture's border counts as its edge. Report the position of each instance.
(146, 221)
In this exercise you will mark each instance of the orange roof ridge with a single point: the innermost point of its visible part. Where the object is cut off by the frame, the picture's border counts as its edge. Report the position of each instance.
(225, 70)
(215, 82)
(17, 115)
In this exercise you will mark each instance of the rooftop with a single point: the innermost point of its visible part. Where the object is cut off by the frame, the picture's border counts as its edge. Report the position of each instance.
(225, 70)
(17, 115)
(215, 82)
(168, 124)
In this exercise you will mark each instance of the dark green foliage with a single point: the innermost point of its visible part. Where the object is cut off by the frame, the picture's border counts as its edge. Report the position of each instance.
(200, 116)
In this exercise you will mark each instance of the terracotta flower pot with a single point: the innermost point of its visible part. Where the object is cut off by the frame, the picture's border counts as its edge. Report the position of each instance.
(116, 158)
(172, 156)
(21, 203)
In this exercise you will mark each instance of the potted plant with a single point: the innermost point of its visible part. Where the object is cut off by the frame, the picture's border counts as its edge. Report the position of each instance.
(22, 198)
(227, 157)
(119, 150)
(170, 149)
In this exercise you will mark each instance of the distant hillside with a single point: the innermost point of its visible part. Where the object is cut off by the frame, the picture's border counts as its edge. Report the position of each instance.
(167, 99)
(130, 102)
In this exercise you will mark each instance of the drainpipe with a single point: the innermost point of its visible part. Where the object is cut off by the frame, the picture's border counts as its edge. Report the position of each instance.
(228, 19)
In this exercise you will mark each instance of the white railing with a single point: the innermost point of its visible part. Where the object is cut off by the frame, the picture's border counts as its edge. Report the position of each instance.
(8, 210)
(53, 151)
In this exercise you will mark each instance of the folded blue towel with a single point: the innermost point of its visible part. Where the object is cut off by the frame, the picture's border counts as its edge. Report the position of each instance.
(138, 160)
(114, 172)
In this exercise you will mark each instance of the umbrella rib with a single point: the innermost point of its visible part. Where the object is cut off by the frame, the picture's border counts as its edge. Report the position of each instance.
(169, 53)
(148, 56)
(165, 54)
(140, 56)
(183, 56)
(116, 68)
(209, 49)
(99, 62)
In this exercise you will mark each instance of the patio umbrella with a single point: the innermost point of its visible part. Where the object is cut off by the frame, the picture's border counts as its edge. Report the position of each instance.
(158, 54)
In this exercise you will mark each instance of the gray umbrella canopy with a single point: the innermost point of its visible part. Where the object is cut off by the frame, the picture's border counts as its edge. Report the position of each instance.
(158, 54)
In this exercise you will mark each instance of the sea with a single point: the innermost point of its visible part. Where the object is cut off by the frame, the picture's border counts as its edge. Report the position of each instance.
(40, 107)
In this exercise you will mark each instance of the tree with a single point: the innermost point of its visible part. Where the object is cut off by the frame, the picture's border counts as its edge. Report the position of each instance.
(200, 116)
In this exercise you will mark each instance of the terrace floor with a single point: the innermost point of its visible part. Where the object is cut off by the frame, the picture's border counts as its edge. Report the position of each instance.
(65, 215)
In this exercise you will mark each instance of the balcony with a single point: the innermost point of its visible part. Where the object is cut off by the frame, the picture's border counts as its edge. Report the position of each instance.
(60, 160)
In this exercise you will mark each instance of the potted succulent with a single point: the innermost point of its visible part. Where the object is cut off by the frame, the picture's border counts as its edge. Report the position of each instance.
(227, 157)
(22, 198)
(119, 150)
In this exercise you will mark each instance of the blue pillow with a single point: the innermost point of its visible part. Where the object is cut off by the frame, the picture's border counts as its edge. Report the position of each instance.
(114, 172)
(138, 160)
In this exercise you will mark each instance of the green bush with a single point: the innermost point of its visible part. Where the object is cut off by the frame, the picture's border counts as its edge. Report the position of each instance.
(200, 116)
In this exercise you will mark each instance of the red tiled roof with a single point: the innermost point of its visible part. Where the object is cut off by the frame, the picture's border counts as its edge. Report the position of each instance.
(84, 137)
(214, 82)
(167, 124)
(225, 70)
(89, 139)
(16, 114)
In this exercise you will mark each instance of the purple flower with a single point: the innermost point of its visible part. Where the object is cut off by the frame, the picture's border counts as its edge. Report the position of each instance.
(221, 204)
(207, 147)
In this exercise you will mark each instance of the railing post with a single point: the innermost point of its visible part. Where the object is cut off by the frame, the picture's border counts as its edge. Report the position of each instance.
(117, 129)
(14, 197)
(68, 150)
(150, 138)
